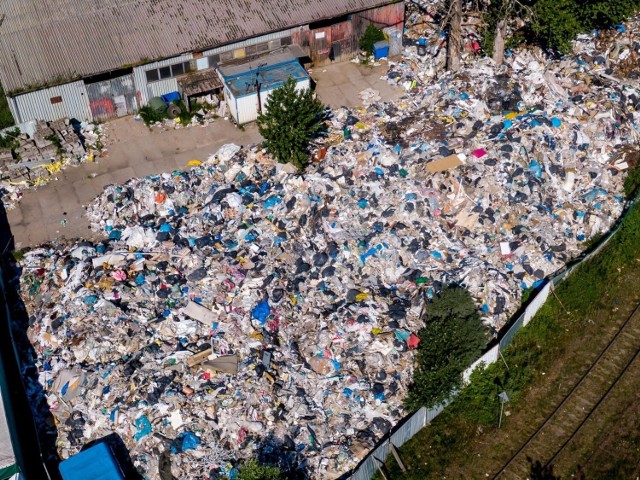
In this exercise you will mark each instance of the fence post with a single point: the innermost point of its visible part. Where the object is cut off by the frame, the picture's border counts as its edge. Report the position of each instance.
(380, 466)
(396, 455)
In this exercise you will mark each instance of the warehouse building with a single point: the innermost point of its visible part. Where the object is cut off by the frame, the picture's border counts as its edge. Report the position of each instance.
(102, 60)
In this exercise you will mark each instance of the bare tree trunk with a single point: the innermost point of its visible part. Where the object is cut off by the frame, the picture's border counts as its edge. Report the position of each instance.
(454, 43)
(498, 43)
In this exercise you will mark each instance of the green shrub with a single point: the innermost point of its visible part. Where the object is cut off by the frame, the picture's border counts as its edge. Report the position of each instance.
(6, 119)
(453, 337)
(150, 115)
(632, 182)
(10, 139)
(557, 22)
(553, 23)
(371, 36)
(252, 470)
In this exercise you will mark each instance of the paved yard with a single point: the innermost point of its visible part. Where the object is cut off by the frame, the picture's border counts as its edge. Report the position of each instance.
(341, 83)
(135, 151)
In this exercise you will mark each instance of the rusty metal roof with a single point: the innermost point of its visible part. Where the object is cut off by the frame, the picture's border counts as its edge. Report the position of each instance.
(199, 82)
(46, 42)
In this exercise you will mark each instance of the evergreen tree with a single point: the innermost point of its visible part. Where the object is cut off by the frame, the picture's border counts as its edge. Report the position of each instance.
(371, 35)
(453, 337)
(290, 121)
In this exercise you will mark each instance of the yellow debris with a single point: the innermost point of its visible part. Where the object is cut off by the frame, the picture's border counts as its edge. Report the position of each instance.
(362, 296)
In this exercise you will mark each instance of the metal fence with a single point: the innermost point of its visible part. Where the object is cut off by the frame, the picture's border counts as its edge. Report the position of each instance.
(412, 424)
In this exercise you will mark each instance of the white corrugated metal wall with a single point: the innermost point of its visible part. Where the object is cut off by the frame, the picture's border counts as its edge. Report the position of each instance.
(44, 105)
(248, 105)
(146, 90)
(75, 102)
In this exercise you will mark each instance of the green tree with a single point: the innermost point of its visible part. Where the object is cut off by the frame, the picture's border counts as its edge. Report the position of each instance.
(252, 470)
(557, 22)
(371, 35)
(453, 337)
(290, 121)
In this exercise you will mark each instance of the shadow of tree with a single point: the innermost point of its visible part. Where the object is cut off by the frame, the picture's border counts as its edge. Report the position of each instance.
(283, 454)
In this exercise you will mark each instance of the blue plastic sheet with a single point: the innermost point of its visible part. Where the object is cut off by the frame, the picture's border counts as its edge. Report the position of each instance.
(262, 310)
(185, 441)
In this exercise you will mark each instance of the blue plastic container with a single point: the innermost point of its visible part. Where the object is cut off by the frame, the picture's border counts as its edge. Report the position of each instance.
(171, 97)
(381, 49)
(95, 463)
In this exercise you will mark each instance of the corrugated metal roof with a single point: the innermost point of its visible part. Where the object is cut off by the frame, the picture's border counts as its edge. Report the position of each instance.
(53, 41)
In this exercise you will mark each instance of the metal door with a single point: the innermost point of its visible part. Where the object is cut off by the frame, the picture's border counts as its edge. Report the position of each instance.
(112, 98)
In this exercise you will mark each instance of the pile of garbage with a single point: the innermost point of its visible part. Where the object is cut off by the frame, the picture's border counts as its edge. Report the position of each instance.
(203, 111)
(31, 161)
(239, 310)
(221, 307)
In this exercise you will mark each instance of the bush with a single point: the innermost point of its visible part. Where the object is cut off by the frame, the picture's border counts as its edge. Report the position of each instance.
(632, 182)
(6, 119)
(453, 337)
(151, 115)
(252, 470)
(290, 121)
(557, 22)
(553, 23)
(371, 36)
(10, 139)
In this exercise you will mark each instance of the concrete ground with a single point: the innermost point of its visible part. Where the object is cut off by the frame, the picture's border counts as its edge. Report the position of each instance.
(340, 84)
(134, 151)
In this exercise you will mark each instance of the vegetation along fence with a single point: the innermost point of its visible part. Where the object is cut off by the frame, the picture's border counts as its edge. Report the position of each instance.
(412, 424)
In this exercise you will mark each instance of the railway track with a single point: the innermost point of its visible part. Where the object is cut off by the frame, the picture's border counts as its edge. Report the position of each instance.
(579, 405)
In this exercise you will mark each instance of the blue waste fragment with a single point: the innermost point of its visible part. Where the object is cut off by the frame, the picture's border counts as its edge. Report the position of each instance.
(144, 428)
(535, 168)
(184, 442)
(272, 202)
(262, 310)
(90, 300)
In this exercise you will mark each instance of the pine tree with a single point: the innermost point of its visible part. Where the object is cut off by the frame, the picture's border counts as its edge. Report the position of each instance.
(453, 337)
(291, 120)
